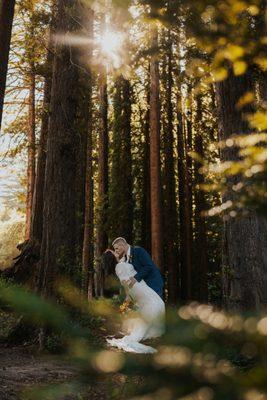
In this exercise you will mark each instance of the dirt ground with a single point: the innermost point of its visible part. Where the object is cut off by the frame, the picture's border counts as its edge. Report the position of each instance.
(21, 369)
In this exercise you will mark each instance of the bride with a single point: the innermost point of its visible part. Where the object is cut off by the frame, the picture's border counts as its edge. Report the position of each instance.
(149, 322)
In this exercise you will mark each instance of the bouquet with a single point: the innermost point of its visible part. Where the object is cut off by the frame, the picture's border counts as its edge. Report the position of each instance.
(125, 306)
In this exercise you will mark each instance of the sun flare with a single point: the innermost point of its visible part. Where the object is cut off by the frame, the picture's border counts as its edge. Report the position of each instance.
(110, 42)
(111, 46)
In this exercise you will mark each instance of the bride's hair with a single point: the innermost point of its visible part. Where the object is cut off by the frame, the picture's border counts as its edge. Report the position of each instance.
(109, 262)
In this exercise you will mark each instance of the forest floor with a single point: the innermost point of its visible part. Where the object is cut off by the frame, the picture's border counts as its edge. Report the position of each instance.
(20, 370)
(22, 367)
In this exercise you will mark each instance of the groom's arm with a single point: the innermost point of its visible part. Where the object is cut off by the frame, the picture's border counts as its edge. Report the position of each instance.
(147, 264)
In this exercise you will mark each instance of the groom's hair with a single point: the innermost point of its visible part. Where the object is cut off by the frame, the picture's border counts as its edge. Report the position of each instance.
(119, 239)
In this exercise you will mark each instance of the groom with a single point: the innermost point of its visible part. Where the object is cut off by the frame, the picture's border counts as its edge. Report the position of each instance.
(143, 264)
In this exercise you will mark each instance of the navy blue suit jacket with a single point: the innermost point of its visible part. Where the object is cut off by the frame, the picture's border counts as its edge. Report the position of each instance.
(146, 269)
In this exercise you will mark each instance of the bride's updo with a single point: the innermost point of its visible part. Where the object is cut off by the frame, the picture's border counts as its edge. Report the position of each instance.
(109, 262)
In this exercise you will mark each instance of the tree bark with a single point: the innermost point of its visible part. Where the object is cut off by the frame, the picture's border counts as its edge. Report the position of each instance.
(261, 29)
(245, 237)
(67, 121)
(145, 190)
(38, 197)
(189, 198)
(155, 170)
(185, 271)
(121, 186)
(103, 144)
(88, 237)
(24, 270)
(189, 161)
(31, 151)
(201, 267)
(7, 8)
(170, 209)
(88, 242)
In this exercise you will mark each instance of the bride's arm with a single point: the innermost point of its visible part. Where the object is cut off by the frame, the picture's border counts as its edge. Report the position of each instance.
(122, 277)
(127, 290)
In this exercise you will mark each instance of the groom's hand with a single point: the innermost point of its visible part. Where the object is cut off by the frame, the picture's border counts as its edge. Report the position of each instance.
(131, 282)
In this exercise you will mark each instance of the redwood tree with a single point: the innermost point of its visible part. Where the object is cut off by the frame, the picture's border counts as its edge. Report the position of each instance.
(59, 239)
(201, 257)
(244, 241)
(6, 20)
(103, 143)
(30, 78)
(155, 171)
(170, 206)
(120, 190)
(38, 197)
(145, 188)
(88, 235)
(185, 265)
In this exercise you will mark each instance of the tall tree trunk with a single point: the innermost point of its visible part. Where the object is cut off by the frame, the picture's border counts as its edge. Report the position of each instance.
(185, 271)
(38, 197)
(189, 197)
(88, 236)
(189, 161)
(155, 173)
(59, 241)
(6, 20)
(103, 144)
(80, 173)
(25, 268)
(30, 80)
(31, 151)
(121, 187)
(261, 29)
(201, 267)
(245, 237)
(81, 122)
(145, 191)
(170, 209)
(88, 242)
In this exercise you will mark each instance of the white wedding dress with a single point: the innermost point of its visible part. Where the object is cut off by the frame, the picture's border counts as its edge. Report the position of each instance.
(149, 322)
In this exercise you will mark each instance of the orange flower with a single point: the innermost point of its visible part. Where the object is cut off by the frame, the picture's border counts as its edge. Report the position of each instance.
(125, 306)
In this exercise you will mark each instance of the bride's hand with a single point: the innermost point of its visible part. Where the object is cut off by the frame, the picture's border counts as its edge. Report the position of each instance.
(131, 282)
(128, 299)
